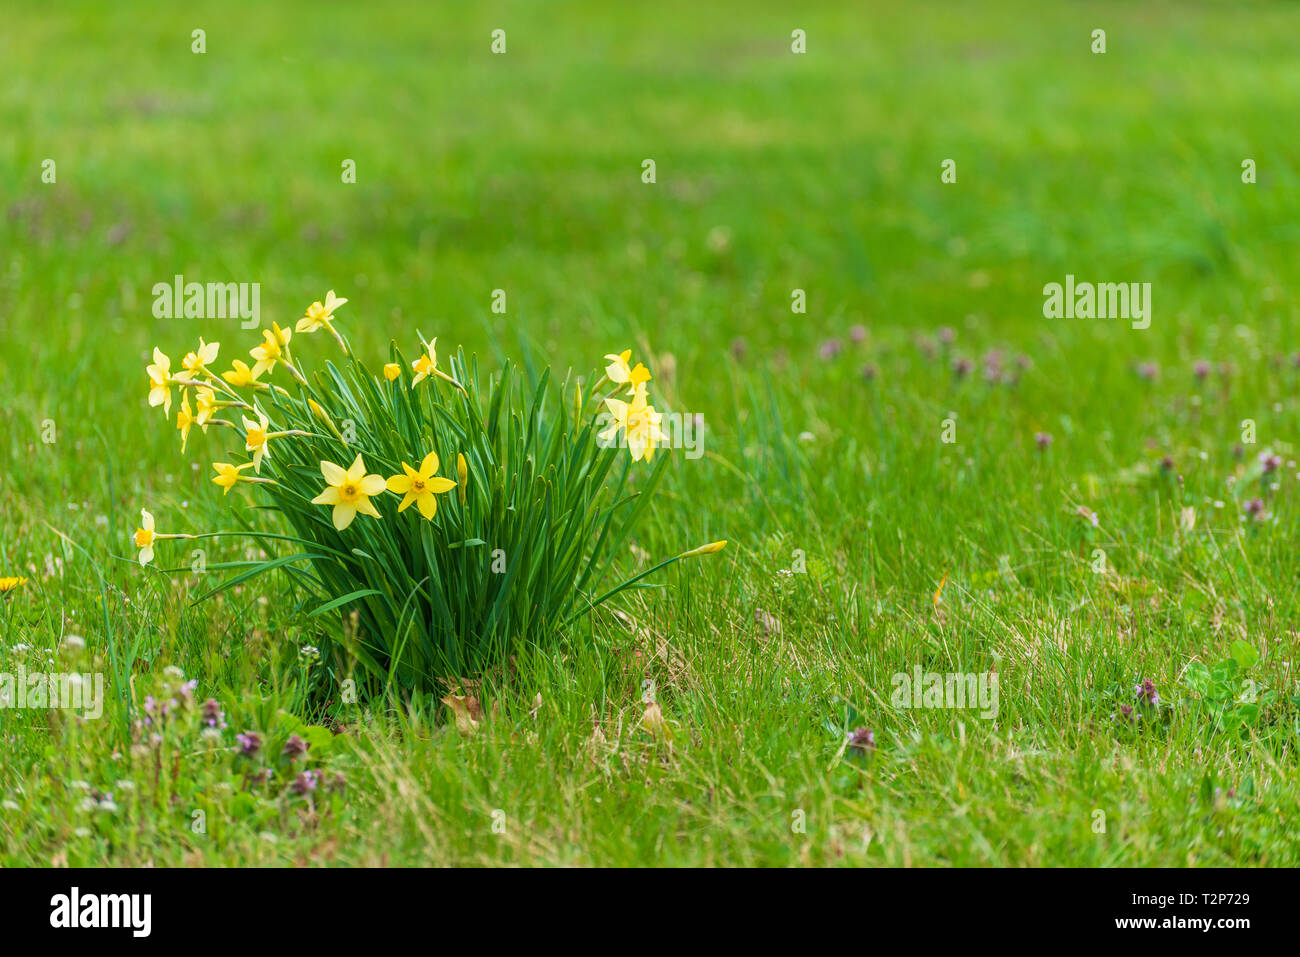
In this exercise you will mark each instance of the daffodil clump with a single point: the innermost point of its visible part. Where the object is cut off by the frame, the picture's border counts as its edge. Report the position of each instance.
(457, 516)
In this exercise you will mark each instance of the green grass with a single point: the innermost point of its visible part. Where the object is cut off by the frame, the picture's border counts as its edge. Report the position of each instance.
(774, 172)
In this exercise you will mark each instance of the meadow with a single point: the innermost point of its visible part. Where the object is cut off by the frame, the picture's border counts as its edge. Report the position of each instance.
(918, 470)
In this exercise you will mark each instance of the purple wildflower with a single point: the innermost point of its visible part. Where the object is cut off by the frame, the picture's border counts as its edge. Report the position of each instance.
(305, 782)
(213, 716)
(1146, 692)
(862, 739)
(250, 742)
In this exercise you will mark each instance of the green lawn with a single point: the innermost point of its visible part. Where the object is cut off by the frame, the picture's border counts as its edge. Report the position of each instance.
(774, 172)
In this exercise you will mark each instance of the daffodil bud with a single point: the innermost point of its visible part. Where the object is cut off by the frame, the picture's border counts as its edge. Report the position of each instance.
(324, 417)
(462, 476)
(708, 549)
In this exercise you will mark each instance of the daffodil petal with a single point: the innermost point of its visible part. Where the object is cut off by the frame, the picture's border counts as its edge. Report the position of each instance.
(428, 505)
(343, 515)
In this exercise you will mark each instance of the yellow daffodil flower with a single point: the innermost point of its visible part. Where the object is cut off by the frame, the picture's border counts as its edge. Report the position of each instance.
(349, 491)
(196, 363)
(160, 381)
(228, 475)
(241, 375)
(620, 372)
(271, 350)
(426, 365)
(320, 314)
(257, 439)
(205, 404)
(419, 486)
(184, 419)
(144, 537)
(9, 584)
(392, 370)
(639, 422)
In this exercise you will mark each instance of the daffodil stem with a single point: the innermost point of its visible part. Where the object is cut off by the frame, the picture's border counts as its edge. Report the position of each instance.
(337, 338)
(442, 375)
(294, 372)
